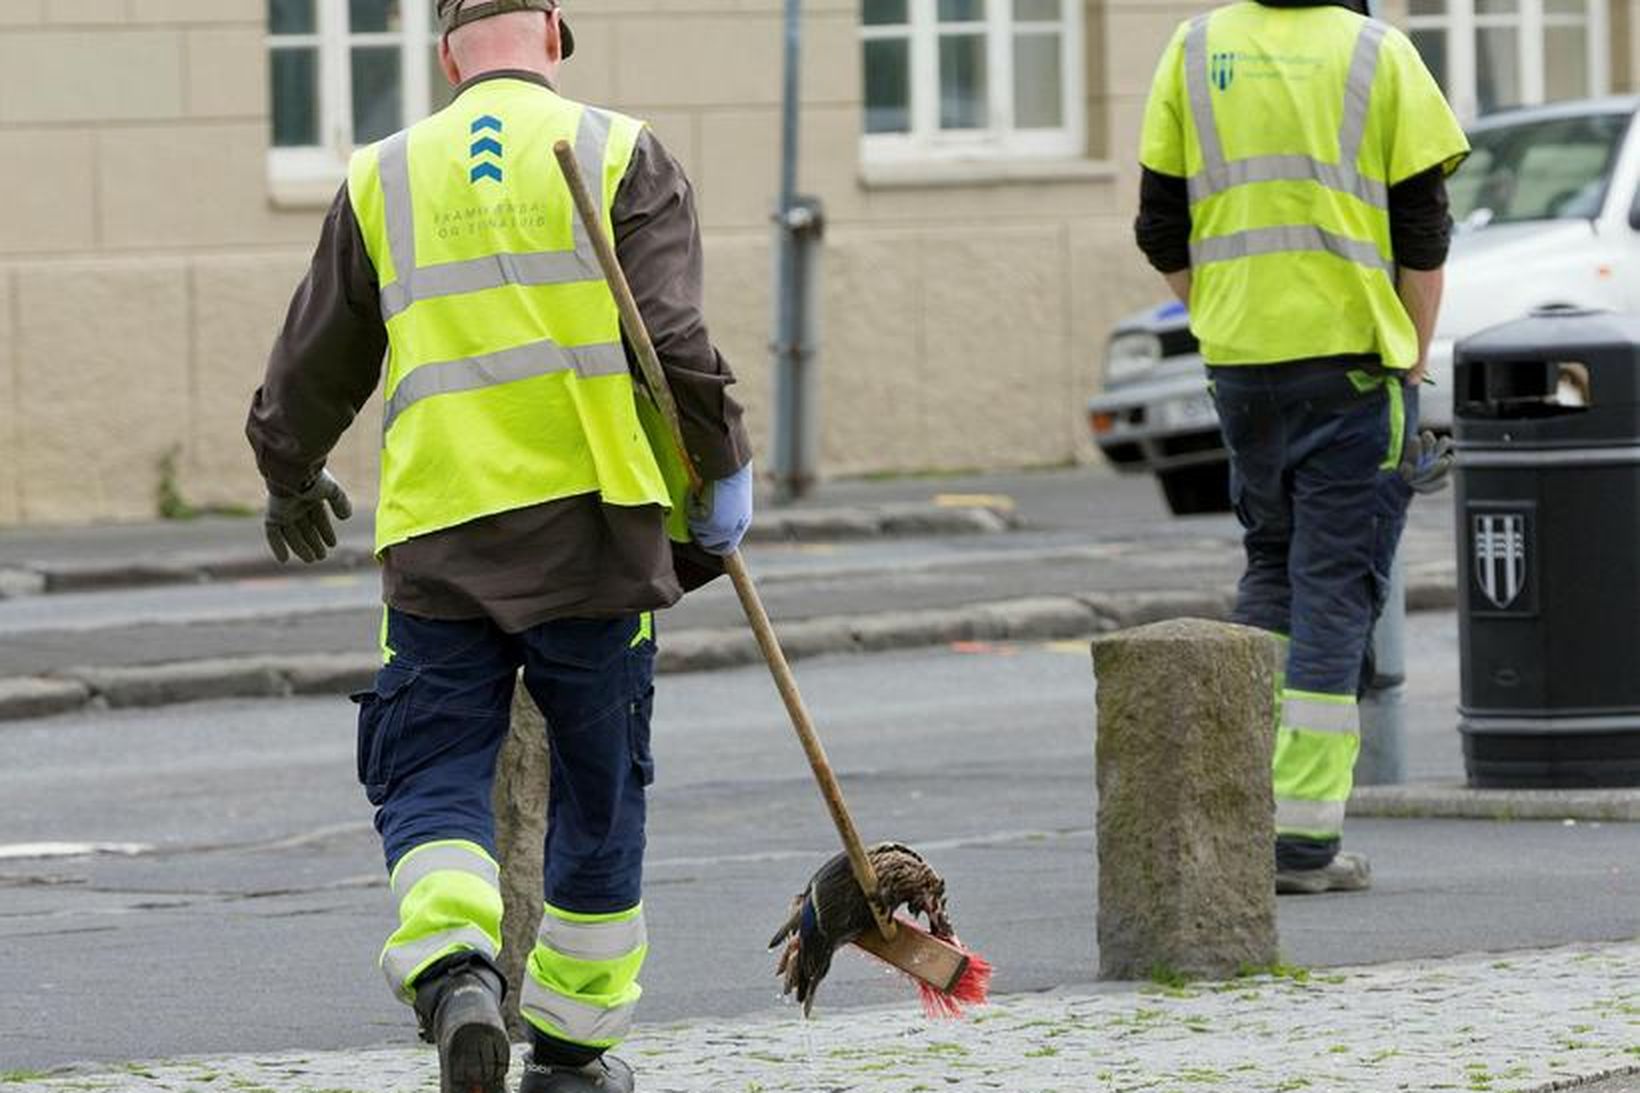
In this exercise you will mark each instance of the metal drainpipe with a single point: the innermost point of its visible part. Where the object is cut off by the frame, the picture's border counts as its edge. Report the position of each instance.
(1383, 707)
(799, 229)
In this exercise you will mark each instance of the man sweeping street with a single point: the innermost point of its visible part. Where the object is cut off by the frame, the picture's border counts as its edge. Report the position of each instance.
(1295, 155)
(525, 520)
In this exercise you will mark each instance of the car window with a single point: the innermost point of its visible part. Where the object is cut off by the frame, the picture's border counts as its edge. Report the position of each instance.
(1538, 170)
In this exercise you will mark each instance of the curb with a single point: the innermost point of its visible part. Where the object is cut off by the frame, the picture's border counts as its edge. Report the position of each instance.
(794, 526)
(1034, 618)
(1456, 801)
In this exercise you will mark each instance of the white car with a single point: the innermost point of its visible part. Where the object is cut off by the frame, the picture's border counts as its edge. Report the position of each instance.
(1548, 214)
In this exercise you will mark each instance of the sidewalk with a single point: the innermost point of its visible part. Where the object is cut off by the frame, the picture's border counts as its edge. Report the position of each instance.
(1511, 1023)
(876, 566)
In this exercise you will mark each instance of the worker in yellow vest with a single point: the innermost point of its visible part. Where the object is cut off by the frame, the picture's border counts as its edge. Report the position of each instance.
(525, 520)
(1293, 195)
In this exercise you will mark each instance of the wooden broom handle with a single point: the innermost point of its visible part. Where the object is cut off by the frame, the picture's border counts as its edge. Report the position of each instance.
(785, 682)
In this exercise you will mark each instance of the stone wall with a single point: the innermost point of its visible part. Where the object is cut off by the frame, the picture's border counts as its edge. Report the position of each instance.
(146, 262)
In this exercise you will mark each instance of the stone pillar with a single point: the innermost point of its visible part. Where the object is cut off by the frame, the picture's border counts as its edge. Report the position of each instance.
(520, 802)
(1186, 813)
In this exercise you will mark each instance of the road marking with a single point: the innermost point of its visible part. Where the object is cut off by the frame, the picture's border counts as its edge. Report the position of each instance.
(999, 501)
(32, 851)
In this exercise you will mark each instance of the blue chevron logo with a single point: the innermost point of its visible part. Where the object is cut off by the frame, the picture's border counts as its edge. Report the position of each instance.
(486, 145)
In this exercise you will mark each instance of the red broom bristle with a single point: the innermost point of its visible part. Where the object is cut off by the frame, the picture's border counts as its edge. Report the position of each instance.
(972, 988)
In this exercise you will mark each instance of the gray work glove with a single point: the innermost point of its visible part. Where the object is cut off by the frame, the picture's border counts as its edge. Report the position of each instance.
(299, 525)
(1427, 462)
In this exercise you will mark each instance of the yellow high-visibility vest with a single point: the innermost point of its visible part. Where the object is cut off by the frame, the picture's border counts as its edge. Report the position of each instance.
(507, 383)
(1291, 125)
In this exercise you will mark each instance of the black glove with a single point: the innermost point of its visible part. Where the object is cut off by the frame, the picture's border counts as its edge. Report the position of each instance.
(299, 525)
(1427, 462)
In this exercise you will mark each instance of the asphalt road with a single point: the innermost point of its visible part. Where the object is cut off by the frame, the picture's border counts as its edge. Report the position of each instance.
(249, 912)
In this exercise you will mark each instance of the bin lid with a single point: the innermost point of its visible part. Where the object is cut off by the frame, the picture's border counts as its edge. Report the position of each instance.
(1554, 334)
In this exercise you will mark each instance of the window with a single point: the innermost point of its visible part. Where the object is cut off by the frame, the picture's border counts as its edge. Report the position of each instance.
(343, 73)
(956, 78)
(1493, 54)
(1558, 169)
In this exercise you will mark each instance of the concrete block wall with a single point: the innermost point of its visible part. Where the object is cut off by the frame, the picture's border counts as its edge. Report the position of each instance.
(145, 264)
(143, 268)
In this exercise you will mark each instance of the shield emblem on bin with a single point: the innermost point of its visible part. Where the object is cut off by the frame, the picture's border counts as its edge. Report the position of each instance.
(1500, 556)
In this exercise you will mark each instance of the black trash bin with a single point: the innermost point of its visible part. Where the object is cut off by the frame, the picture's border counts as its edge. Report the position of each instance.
(1547, 418)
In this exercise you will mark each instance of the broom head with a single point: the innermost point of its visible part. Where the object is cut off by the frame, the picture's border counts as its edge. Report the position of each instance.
(949, 977)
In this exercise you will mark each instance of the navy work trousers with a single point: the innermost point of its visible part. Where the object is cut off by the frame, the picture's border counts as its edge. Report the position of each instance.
(431, 728)
(1316, 487)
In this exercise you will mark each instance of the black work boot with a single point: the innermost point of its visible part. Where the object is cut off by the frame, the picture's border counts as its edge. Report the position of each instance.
(605, 1074)
(458, 1002)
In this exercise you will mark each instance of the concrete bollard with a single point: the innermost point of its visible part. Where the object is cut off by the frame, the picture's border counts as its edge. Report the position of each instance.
(520, 803)
(1186, 814)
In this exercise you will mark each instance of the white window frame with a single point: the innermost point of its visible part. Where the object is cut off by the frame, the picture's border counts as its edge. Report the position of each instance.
(1000, 139)
(1460, 22)
(325, 164)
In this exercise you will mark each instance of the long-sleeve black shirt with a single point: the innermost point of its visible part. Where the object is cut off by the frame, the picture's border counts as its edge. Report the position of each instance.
(1420, 225)
(574, 557)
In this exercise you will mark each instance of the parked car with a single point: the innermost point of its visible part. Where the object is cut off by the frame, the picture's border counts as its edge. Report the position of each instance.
(1548, 214)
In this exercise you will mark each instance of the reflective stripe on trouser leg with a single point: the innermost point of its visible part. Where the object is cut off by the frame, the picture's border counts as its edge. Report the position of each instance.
(1316, 746)
(449, 901)
(582, 986)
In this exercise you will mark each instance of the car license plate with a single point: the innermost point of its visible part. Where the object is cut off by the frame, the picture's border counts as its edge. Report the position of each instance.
(1191, 412)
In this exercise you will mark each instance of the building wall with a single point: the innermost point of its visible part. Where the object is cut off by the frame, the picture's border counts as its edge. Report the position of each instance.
(145, 263)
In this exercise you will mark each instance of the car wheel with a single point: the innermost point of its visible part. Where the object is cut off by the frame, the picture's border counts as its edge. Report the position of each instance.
(1193, 490)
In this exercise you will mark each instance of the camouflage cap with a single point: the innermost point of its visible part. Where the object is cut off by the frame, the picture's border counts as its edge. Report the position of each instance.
(452, 15)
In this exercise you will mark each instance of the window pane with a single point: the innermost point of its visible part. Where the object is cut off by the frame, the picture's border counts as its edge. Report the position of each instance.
(1036, 11)
(1539, 170)
(961, 11)
(294, 74)
(372, 16)
(1432, 46)
(888, 86)
(1039, 100)
(1497, 67)
(881, 13)
(441, 91)
(290, 17)
(1566, 7)
(962, 82)
(377, 98)
(1426, 7)
(1496, 7)
(1565, 62)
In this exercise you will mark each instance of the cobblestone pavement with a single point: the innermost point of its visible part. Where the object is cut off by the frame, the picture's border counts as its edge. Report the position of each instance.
(1505, 1022)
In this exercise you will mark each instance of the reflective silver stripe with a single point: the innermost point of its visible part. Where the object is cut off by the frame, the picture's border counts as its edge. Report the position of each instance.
(417, 865)
(1313, 716)
(593, 940)
(1204, 184)
(491, 271)
(577, 1021)
(507, 366)
(400, 962)
(394, 167)
(591, 148)
(478, 274)
(1358, 93)
(1285, 239)
(1317, 816)
(1217, 175)
(1201, 98)
(1550, 457)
